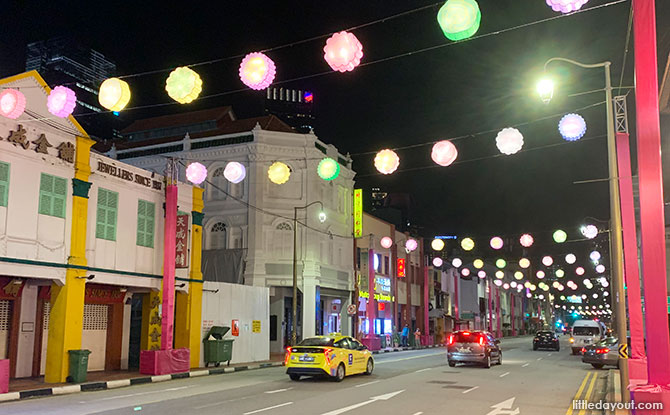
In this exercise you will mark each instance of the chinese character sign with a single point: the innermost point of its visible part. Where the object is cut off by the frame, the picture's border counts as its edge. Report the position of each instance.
(181, 259)
(358, 213)
(401, 268)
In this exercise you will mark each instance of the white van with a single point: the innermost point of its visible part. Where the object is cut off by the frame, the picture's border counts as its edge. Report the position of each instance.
(585, 333)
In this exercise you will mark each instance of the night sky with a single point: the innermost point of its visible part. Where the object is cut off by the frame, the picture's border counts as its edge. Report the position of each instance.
(458, 90)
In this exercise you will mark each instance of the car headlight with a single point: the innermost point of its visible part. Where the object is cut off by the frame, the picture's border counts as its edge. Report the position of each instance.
(572, 340)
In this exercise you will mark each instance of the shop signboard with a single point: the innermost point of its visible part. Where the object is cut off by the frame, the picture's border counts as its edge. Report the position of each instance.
(401, 268)
(181, 246)
(358, 213)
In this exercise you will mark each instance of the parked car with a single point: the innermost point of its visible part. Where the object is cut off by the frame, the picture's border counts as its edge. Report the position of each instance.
(479, 347)
(605, 352)
(585, 333)
(546, 339)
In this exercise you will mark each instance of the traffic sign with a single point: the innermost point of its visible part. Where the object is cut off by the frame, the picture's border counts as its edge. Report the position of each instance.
(351, 309)
(623, 351)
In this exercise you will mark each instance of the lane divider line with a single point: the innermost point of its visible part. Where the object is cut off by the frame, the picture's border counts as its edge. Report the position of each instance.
(579, 393)
(504, 374)
(525, 364)
(268, 408)
(471, 389)
(278, 390)
(539, 358)
(422, 370)
(366, 384)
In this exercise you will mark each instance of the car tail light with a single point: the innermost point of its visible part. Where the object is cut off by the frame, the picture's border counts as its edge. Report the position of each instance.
(288, 355)
(602, 351)
(481, 341)
(451, 339)
(466, 333)
(583, 349)
(572, 340)
(327, 353)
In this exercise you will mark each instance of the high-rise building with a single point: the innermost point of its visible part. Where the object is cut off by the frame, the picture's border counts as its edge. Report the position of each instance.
(293, 106)
(65, 61)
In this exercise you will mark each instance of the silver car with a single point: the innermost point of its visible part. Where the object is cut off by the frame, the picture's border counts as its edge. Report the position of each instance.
(479, 347)
(605, 352)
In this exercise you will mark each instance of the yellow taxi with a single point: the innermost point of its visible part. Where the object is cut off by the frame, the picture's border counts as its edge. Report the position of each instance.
(333, 355)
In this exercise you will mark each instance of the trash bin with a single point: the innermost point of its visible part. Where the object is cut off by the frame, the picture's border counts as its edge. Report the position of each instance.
(78, 365)
(217, 349)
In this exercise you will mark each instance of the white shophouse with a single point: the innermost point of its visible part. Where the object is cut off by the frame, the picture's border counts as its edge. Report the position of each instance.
(248, 227)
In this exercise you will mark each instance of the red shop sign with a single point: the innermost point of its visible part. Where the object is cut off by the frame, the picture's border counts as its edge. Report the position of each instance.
(181, 257)
(401, 268)
(10, 288)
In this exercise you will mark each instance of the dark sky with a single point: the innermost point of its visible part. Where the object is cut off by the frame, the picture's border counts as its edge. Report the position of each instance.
(461, 89)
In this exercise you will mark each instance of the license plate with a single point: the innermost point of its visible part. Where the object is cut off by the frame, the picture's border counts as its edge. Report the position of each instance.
(306, 358)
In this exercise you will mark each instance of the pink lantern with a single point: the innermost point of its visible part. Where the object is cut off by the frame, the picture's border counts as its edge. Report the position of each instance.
(257, 71)
(465, 272)
(61, 101)
(496, 242)
(506, 286)
(579, 271)
(547, 261)
(343, 51)
(12, 103)
(540, 274)
(498, 282)
(526, 240)
(196, 173)
(444, 153)
(411, 245)
(437, 262)
(481, 274)
(566, 6)
(386, 242)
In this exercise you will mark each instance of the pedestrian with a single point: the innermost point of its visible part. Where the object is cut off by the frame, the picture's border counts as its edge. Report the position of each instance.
(405, 336)
(417, 338)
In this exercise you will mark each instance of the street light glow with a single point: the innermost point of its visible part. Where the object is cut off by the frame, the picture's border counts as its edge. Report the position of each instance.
(322, 216)
(545, 88)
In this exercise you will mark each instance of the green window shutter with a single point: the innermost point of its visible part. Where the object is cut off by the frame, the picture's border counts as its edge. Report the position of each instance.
(53, 195)
(112, 204)
(59, 197)
(4, 183)
(146, 212)
(149, 231)
(106, 216)
(46, 189)
(140, 222)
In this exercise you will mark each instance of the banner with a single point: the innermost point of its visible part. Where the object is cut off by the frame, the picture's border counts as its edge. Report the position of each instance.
(93, 294)
(358, 213)
(181, 246)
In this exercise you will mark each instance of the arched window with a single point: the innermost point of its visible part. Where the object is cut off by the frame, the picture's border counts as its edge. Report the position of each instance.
(218, 186)
(217, 239)
(284, 227)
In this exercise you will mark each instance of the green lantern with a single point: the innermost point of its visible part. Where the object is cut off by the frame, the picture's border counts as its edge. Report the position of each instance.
(560, 236)
(459, 19)
(501, 263)
(328, 169)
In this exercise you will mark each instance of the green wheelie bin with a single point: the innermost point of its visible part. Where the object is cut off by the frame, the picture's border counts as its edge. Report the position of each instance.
(217, 349)
(78, 365)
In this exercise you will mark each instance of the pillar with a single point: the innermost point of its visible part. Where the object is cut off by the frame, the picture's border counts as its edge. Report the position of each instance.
(309, 307)
(345, 318)
(67, 301)
(150, 338)
(188, 323)
(512, 318)
(498, 314)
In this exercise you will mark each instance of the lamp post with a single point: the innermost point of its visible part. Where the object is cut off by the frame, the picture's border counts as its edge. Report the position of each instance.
(322, 218)
(545, 89)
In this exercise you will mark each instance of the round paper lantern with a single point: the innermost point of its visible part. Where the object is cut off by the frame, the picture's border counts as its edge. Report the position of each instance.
(572, 127)
(513, 284)
(437, 244)
(540, 274)
(526, 240)
(498, 283)
(560, 273)
(547, 261)
(589, 231)
(444, 153)
(457, 262)
(465, 272)
(257, 71)
(279, 172)
(387, 161)
(411, 245)
(459, 19)
(555, 284)
(183, 85)
(328, 169)
(481, 274)
(566, 6)
(570, 259)
(478, 263)
(467, 244)
(437, 262)
(496, 242)
(12, 103)
(506, 286)
(518, 275)
(524, 263)
(501, 263)
(500, 274)
(234, 172)
(61, 101)
(386, 242)
(343, 51)
(114, 94)
(600, 269)
(509, 141)
(560, 236)
(579, 271)
(595, 256)
(196, 173)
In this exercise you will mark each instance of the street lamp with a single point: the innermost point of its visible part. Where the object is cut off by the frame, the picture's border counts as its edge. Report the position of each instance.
(322, 219)
(545, 89)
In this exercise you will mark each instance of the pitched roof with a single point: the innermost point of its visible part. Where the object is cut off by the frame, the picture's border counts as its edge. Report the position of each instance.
(219, 114)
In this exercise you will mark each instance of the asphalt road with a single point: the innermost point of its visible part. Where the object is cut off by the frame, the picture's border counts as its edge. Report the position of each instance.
(411, 383)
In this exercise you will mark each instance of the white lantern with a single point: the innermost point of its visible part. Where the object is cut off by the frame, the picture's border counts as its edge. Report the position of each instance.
(509, 141)
(234, 172)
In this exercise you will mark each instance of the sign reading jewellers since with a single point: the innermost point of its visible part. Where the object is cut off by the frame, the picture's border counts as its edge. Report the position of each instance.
(129, 176)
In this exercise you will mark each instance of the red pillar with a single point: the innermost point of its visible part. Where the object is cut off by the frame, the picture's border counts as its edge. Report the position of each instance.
(511, 302)
(652, 226)
(167, 322)
(370, 308)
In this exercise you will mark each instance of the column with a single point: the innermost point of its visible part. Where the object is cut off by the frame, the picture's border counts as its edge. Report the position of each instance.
(308, 307)
(512, 317)
(345, 318)
(150, 337)
(371, 308)
(188, 324)
(67, 301)
(498, 315)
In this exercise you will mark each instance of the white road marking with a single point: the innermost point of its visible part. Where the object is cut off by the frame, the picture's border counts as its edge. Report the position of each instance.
(384, 397)
(421, 370)
(539, 358)
(366, 384)
(549, 355)
(268, 408)
(504, 374)
(418, 413)
(278, 390)
(408, 358)
(471, 389)
(209, 405)
(143, 393)
(504, 407)
(525, 364)
(176, 389)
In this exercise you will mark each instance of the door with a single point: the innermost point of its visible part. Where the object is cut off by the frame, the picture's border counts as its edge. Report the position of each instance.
(359, 356)
(135, 332)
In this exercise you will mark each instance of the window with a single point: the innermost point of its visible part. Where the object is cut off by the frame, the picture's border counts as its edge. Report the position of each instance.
(4, 183)
(218, 186)
(218, 236)
(105, 226)
(53, 191)
(146, 214)
(284, 227)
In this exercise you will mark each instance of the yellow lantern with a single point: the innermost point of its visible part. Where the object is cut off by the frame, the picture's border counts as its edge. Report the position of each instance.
(437, 244)
(524, 263)
(279, 172)
(114, 94)
(183, 85)
(518, 275)
(478, 263)
(468, 244)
